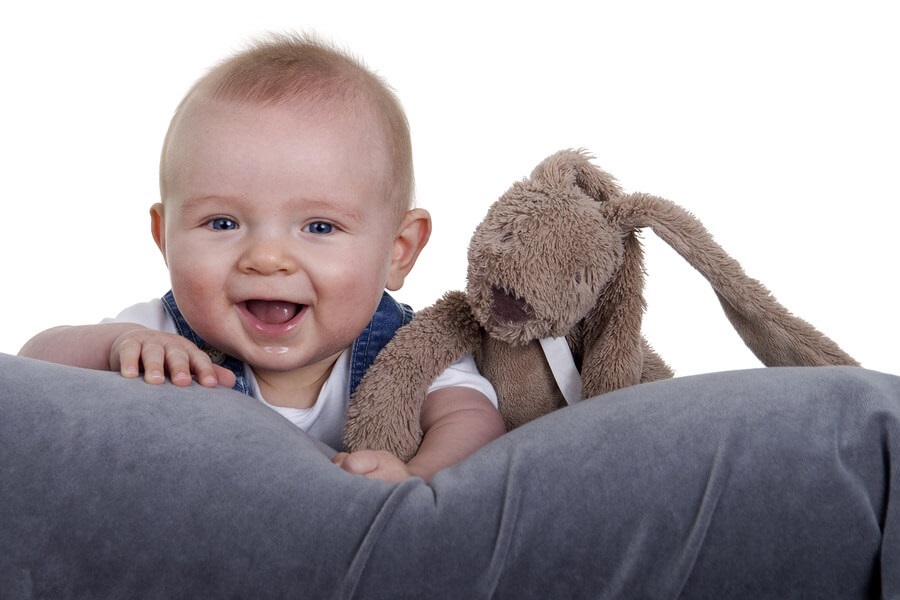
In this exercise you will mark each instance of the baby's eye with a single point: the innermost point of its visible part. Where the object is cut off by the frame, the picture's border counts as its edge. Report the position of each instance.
(319, 227)
(222, 224)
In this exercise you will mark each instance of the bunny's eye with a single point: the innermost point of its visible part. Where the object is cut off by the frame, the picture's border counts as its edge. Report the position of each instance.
(582, 277)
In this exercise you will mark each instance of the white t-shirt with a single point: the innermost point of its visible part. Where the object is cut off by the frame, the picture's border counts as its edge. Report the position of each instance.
(324, 420)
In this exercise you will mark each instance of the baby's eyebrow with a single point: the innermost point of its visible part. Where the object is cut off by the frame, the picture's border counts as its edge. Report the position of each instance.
(201, 204)
(334, 209)
(193, 202)
(331, 208)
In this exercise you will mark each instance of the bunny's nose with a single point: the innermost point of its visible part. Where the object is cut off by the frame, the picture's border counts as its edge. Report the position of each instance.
(509, 309)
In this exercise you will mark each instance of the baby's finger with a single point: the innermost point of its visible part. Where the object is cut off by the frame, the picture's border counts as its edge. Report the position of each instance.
(153, 357)
(126, 358)
(203, 368)
(178, 364)
(225, 376)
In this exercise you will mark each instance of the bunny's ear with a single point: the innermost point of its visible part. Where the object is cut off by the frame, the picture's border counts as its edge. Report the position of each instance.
(775, 336)
(569, 168)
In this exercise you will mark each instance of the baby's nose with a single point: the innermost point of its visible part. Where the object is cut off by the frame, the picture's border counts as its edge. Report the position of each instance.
(267, 257)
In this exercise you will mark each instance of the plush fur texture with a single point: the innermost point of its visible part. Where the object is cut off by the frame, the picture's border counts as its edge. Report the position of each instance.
(558, 256)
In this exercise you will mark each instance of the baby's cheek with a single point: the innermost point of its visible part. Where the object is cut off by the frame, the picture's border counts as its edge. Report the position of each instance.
(205, 308)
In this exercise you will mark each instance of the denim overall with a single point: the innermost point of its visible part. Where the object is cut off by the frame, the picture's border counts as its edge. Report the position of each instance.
(389, 316)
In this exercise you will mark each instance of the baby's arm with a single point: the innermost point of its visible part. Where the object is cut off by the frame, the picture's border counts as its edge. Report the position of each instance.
(456, 421)
(126, 347)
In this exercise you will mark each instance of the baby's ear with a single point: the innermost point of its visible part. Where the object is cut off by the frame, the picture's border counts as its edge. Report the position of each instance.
(415, 229)
(158, 227)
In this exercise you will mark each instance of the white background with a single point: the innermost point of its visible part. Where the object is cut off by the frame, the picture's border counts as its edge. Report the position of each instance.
(774, 122)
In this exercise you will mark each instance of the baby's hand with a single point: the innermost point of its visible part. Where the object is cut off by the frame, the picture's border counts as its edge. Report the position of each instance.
(160, 353)
(374, 464)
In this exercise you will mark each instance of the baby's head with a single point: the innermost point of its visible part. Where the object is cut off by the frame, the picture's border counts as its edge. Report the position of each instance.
(311, 75)
(286, 181)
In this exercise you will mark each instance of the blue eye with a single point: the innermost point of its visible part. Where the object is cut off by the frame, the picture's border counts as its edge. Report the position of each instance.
(222, 224)
(319, 227)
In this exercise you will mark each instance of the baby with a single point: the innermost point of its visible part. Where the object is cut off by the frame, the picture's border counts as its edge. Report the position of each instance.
(286, 187)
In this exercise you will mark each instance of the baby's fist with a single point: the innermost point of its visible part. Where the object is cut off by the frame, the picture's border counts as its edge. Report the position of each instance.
(374, 464)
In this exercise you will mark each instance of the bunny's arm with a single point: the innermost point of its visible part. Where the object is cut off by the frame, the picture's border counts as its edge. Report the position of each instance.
(385, 410)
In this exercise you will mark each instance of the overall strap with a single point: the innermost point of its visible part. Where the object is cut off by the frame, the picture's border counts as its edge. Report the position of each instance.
(217, 356)
(390, 316)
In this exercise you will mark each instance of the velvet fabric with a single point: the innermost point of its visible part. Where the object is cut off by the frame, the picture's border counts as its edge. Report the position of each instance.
(768, 483)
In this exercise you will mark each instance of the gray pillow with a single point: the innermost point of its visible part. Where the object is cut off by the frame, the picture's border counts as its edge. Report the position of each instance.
(762, 483)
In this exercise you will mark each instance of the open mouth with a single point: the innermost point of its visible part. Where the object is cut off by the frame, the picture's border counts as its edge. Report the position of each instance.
(273, 316)
(273, 312)
(509, 309)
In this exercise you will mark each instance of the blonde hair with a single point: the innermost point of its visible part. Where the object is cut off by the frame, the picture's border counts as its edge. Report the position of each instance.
(289, 67)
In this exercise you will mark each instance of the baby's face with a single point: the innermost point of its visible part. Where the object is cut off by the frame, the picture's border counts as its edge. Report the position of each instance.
(276, 229)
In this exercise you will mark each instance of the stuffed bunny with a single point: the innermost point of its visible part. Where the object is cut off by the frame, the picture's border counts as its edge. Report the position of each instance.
(553, 307)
